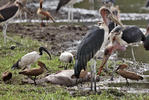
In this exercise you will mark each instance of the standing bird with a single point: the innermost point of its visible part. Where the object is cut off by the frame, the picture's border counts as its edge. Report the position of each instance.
(30, 58)
(147, 3)
(8, 12)
(66, 57)
(146, 42)
(6, 76)
(70, 4)
(35, 71)
(121, 36)
(126, 74)
(44, 14)
(93, 41)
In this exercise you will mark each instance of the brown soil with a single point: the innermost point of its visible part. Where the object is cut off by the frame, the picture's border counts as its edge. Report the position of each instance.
(59, 37)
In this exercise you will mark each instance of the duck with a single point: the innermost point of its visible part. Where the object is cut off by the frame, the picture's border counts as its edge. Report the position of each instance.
(35, 71)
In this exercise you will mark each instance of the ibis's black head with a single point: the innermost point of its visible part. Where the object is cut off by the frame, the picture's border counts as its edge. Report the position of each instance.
(41, 49)
(16, 65)
(146, 43)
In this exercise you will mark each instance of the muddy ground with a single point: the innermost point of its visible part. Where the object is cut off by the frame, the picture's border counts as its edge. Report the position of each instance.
(58, 37)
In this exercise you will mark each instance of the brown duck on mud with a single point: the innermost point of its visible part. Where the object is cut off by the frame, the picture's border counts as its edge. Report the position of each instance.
(6, 76)
(35, 71)
(126, 74)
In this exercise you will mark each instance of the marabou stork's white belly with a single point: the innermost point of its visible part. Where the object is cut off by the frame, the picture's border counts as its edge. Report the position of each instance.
(29, 58)
(65, 57)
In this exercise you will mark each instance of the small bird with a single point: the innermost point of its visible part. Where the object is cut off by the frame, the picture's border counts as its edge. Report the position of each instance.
(126, 74)
(66, 57)
(35, 71)
(44, 14)
(30, 58)
(6, 76)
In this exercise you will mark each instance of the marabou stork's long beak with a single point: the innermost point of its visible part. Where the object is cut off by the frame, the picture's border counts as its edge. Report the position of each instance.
(52, 18)
(107, 16)
(1, 16)
(112, 17)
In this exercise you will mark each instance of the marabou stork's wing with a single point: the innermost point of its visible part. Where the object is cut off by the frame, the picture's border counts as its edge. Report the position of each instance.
(88, 47)
(8, 12)
(61, 3)
(147, 3)
(132, 34)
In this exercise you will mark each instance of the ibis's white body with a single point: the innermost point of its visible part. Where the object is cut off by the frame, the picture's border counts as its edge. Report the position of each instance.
(66, 57)
(29, 59)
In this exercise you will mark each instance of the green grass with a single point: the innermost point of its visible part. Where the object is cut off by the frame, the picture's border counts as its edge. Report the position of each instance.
(18, 91)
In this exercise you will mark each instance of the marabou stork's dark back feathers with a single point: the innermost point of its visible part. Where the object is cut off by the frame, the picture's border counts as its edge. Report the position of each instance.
(146, 43)
(88, 47)
(8, 11)
(132, 34)
(111, 26)
(147, 3)
(61, 3)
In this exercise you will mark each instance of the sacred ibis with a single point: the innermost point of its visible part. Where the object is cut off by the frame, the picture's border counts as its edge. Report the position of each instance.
(30, 58)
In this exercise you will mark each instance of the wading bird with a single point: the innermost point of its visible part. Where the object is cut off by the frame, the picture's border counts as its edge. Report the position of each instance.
(8, 12)
(35, 71)
(66, 57)
(147, 3)
(44, 14)
(70, 4)
(94, 40)
(126, 74)
(122, 36)
(30, 58)
(146, 42)
(6, 76)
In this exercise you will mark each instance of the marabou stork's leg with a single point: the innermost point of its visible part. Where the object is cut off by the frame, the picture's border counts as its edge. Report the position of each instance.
(4, 32)
(69, 14)
(93, 75)
(72, 12)
(5, 35)
(112, 76)
(133, 55)
(25, 15)
(94, 69)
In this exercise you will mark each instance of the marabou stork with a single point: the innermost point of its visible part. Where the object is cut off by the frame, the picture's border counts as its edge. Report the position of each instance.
(8, 12)
(66, 57)
(30, 58)
(146, 42)
(70, 4)
(147, 3)
(93, 41)
(127, 74)
(35, 71)
(122, 36)
(44, 14)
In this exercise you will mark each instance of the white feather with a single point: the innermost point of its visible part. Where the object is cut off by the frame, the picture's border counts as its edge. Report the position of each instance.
(29, 59)
(66, 57)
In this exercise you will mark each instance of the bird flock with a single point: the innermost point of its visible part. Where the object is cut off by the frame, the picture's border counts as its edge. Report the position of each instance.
(109, 35)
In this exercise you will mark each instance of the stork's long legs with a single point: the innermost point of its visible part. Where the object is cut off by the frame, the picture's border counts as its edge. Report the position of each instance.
(70, 13)
(5, 35)
(93, 75)
(133, 55)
